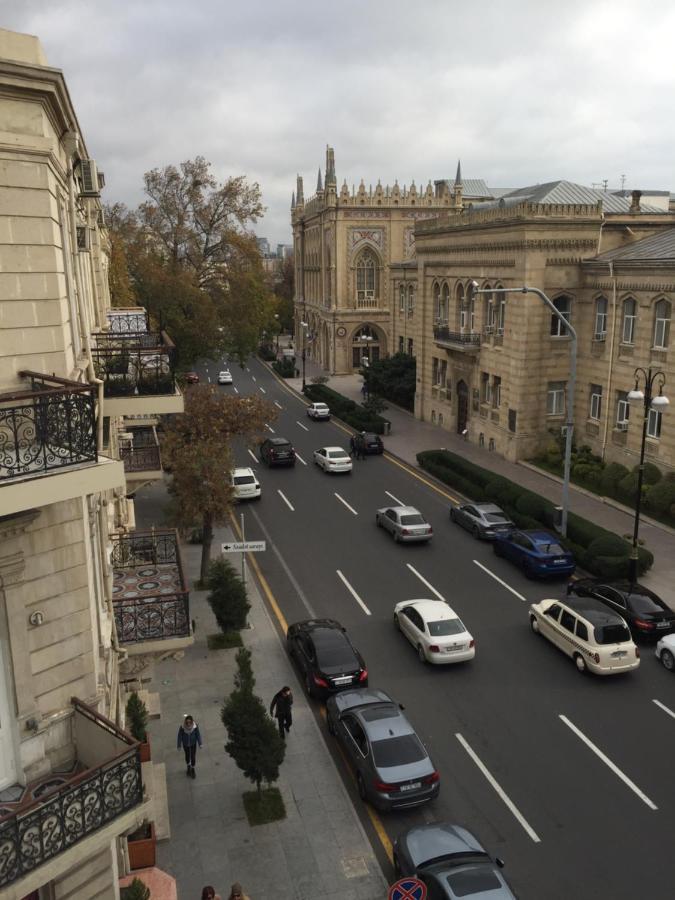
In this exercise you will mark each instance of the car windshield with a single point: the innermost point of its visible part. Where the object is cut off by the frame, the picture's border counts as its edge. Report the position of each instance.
(550, 548)
(244, 479)
(336, 454)
(334, 652)
(398, 751)
(413, 519)
(496, 518)
(643, 603)
(612, 634)
(446, 627)
(469, 882)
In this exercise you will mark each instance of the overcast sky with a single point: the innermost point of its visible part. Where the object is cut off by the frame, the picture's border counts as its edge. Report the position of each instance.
(522, 92)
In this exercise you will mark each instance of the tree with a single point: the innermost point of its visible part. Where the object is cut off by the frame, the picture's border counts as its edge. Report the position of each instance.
(247, 310)
(121, 226)
(227, 596)
(137, 717)
(284, 289)
(198, 449)
(137, 890)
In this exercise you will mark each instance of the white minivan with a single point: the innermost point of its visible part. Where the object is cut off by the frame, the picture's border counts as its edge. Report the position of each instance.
(246, 485)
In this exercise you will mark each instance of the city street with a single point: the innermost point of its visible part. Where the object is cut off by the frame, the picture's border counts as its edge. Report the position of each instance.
(567, 777)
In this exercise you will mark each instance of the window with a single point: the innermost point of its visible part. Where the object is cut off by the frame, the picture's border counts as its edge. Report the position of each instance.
(564, 306)
(489, 312)
(366, 275)
(401, 298)
(410, 346)
(434, 370)
(568, 621)
(628, 325)
(555, 399)
(654, 424)
(460, 314)
(553, 611)
(442, 372)
(401, 345)
(582, 631)
(600, 319)
(596, 401)
(437, 302)
(622, 410)
(661, 325)
(496, 391)
(445, 303)
(501, 318)
(485, 387)
(411, 300)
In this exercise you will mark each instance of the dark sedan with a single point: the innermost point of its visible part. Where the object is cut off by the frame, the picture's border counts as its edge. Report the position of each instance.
(483, 520)
(369, 442)
(644, 611)
(277, 451)
(538, 553)
(451, 862)
(326, 657)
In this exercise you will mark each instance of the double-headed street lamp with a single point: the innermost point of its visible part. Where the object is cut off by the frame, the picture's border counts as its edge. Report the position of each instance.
(656, 404)
(304, 326)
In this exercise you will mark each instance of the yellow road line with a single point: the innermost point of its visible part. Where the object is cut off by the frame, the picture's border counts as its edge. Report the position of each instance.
(410, 471)
(262, 581)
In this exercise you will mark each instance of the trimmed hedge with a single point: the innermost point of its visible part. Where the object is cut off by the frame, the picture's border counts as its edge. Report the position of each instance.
(284, 367)
(346, 409)
(267, 353)
(595, 549)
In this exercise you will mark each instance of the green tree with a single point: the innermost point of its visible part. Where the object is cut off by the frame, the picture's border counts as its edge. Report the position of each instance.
(227, 596)
(137, 890)
(247, 310)
(284, 290)
(120, 227)
(137, 717)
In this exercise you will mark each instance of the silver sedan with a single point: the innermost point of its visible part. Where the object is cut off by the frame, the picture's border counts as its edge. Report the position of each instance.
(483, 520)
(405, 523)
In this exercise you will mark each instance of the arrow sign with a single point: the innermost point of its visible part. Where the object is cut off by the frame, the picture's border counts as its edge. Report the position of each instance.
(408, 889)
(243, 547)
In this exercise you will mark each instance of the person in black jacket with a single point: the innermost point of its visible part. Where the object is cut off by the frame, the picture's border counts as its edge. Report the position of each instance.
(280, 709)
(188, 738)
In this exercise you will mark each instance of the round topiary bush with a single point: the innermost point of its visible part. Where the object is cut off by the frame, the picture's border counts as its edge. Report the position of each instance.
(661, 499)
(608, 545)
(531, 505)
(611, 475)
(626, 489)
(651, 474)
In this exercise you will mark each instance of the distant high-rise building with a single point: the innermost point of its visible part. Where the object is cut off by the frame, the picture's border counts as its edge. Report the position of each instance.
(264, 246)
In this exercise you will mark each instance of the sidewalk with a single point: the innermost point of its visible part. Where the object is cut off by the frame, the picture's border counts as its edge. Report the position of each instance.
(409, 436)
(320, 851)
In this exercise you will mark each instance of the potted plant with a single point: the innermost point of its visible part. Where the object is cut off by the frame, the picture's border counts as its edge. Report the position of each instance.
(135, 891)
(137, 723)
(142, 844)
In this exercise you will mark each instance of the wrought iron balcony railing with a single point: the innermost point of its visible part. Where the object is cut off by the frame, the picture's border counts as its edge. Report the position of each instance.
(470, 339)
(123, 320)
(46, 428)
(151, 599)
(101, 790)
(141, 459)
(135, 363)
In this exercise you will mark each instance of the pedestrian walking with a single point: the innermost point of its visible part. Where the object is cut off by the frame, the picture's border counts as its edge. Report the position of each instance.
(188, 738)
(352, 446)
(361, 446)
(237, 892)
(209, 893)
(280, 709)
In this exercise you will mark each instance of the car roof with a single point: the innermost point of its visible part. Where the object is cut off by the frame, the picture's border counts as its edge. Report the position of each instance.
(403, 510)
(487, 507)
(383, 721)
(542, 537)
(439, 609)
(369, 434)
(625, 587)
(360, 698)
(277, 440)
(592, 609)
(341, 449)
(244, 470)
(427, 842)
(310, 625)
(319, 403)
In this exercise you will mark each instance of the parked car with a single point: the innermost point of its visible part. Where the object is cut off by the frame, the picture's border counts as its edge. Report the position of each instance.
(277, 451)
(368, 442)
(327, 659)
(483, 520)
(245, 484)
(333, 459)
(392, 766)
(225, 377)
(596, 638)
(191, 378)
(405, 523)
(435, 631)
(646, 613)
(318, 411)
(665, 651)
(538, 553)
(451, 862)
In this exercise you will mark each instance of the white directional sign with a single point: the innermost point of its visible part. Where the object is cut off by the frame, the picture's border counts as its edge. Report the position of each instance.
(243, 547)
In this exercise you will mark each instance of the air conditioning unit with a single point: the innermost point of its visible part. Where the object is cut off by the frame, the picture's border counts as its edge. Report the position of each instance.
(89, 178)
(489, 329)
(500, 331)
(622, 426)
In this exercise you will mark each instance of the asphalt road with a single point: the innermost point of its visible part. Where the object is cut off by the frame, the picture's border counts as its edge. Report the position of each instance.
(569, 778)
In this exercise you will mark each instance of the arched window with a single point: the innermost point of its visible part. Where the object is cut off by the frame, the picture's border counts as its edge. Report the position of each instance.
(489, 311)
(460, 316)
(500, 305)
(472, 313)
(564, 305)
(401, 298)
(411, 300)
(367, 275)
(661, 324)
(628, 321)
(437, 302)
(445, 303)
(600, 332)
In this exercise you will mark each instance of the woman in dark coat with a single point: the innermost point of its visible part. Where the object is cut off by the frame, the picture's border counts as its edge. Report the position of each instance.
(188, 738)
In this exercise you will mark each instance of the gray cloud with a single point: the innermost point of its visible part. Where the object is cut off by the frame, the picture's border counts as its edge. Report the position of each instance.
(521, 91)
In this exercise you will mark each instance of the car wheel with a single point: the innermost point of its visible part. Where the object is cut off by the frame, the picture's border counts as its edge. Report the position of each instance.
(397, 866)
(667, 660)
(377, 520)
(397, 624)
(308, 685)
(361, 787)
(497, 549)
(330, 726)
(421, 655)
(580, 663)
(453, 517)
(534, 624)
(475, 531)
(396, 537)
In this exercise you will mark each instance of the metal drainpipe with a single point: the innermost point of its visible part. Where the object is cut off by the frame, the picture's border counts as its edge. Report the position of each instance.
(608, 407)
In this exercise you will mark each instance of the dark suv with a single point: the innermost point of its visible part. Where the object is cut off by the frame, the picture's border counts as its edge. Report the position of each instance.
(369, 442)
(644, 611)
(326, 657)
(277, 451)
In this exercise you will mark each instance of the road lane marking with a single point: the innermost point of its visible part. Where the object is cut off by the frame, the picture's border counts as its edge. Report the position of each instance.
(500, 791)
(301, 425)
(503, 583)
(664, 708)
(425, 582)
(297, 456)
(353, 592)
(395, 499)
(342, 500)
(252, 376)
(253, 562)
(286, 500)
(608, 762)
(252, 455)
(262, 389)
(269, 428)
(247, 369)
(209, 379)
(236, 390)
(411, 471)
(278, 405)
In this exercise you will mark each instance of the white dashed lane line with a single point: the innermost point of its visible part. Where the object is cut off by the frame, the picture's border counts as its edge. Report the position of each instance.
(270, 428)
(301, 425)
(252, 455)
(278, 405)
(425, 582)
(344, 502)
(286, 500)
(236, 390)
(664, 708)
(353, 592)
(503, 583)
(262, 389)
(297, 456)
(395, 499)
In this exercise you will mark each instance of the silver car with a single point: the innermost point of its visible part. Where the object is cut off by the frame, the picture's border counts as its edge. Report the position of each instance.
(393, 769)
(405, 523)
(483, 520)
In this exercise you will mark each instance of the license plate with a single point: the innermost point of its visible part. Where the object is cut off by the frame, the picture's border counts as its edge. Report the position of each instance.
(663, 624)
(454, 648)
(619, 654)
(411, 787)
(345, 679)
(558, 562)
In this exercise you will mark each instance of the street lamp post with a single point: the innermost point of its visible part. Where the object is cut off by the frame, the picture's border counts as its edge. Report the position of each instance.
(569, 424)
(304, 326)
(649, 402)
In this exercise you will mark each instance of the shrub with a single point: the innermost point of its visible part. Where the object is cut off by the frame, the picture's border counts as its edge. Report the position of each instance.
(626, 489)
(662, 499)
(137, 890)
(137, 717)
(610, 477)
(651, 473)
(284, 367)
(267, 353)
(534, 506)
(227, 596)
(346, 409)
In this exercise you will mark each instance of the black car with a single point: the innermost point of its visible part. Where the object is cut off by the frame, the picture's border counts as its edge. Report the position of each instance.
(645, 612)
(277, 451)
(326, 657)
(369, 442)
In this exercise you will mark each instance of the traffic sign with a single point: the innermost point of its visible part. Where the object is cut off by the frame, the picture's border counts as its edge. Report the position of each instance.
(244, 547)
(408, 889)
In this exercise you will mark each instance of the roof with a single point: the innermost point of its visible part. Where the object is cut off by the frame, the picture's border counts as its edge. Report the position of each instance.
(660, 246)
(593, 610)
(438, 608)
(471, 187)
(567, 193)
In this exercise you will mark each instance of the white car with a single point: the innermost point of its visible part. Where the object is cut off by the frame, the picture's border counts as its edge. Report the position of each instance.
(225, 377)
(665, 651)
(246, 485)
(333, 459)
(318, 411)
(435, 630)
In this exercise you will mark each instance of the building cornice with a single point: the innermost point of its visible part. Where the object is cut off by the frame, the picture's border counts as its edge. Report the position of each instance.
(607, 284)
(522, 245)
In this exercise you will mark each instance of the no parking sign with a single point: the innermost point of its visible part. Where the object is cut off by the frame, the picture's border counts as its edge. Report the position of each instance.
(408, 889)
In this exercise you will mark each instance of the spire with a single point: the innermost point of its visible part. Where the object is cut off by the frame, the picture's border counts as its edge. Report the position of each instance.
(458, 176)
(299, 192)
(330, 167)
(293, 200)
(319, 184)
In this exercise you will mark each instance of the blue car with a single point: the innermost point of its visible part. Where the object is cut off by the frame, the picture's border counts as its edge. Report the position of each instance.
(538, 553)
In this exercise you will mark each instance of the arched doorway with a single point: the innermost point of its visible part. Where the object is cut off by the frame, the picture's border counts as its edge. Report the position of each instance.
(462, 406)
(365, 346)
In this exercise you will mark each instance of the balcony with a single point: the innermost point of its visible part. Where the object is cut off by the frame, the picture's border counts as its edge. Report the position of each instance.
(127, 319)
(141, 456)
(48, 444)
(151, 600)
(137, 373)
(95, 796)
(465, 342)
